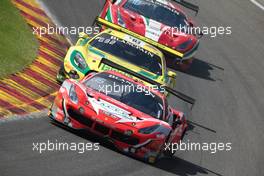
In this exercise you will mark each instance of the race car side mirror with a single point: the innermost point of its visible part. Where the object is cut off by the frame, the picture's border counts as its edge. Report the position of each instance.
(83, 35)
(172, 74)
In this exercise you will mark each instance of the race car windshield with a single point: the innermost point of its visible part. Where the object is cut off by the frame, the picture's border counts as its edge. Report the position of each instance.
(130, 52)
(128, 93)
(158, 12)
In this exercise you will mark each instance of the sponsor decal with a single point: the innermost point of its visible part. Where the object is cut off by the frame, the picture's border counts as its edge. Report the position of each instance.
(128, 40)
(112, 110)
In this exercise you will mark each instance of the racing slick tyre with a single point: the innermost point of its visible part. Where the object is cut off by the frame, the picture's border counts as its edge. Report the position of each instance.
(166, 152)
(170, 153)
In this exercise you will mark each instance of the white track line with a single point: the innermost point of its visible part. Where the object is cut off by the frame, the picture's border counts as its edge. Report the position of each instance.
(34, 115)
(53, 18)
(257, 4)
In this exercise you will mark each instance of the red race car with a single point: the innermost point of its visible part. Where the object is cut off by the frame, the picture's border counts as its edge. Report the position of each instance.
(135, 118)
(161, 22)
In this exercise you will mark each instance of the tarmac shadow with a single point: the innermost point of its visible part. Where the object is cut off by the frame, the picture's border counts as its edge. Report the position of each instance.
(182, 167)
(199, 68)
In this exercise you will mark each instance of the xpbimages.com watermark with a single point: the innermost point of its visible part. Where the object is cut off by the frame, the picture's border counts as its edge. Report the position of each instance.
(51, 146)
(117, 88)
(72, 30)
(212, 31)
(212, 147)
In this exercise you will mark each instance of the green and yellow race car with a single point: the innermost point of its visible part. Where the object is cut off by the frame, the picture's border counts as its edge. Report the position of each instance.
(114, 50)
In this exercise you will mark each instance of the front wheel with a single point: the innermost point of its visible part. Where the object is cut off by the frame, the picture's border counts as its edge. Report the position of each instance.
(168, 149)
(169, 152)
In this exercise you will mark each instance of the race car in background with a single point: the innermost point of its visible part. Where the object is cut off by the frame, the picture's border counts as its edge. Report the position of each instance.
(136, 119)
(162, 22)
(112, 48)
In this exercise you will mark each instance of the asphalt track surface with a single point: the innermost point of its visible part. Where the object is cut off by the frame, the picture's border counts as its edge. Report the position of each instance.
(227, 79)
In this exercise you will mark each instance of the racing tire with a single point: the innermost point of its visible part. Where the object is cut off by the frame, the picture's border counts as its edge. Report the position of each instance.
(169, 153)
(166, 152)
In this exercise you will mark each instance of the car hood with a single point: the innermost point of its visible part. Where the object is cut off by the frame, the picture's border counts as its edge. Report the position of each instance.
(111, 111)
(152, 29)
(94, 60)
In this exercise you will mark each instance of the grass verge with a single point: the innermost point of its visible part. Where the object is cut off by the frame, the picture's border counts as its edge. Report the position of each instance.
(18, 46)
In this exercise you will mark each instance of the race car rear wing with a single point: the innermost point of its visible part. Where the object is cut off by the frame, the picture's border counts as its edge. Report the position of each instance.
(143, 78)
(145, 39)
(188, 5)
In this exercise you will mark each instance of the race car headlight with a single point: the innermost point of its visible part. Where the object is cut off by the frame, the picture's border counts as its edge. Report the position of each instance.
(80, 61)
(184, 45)
(73, 95)
(149, 130)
